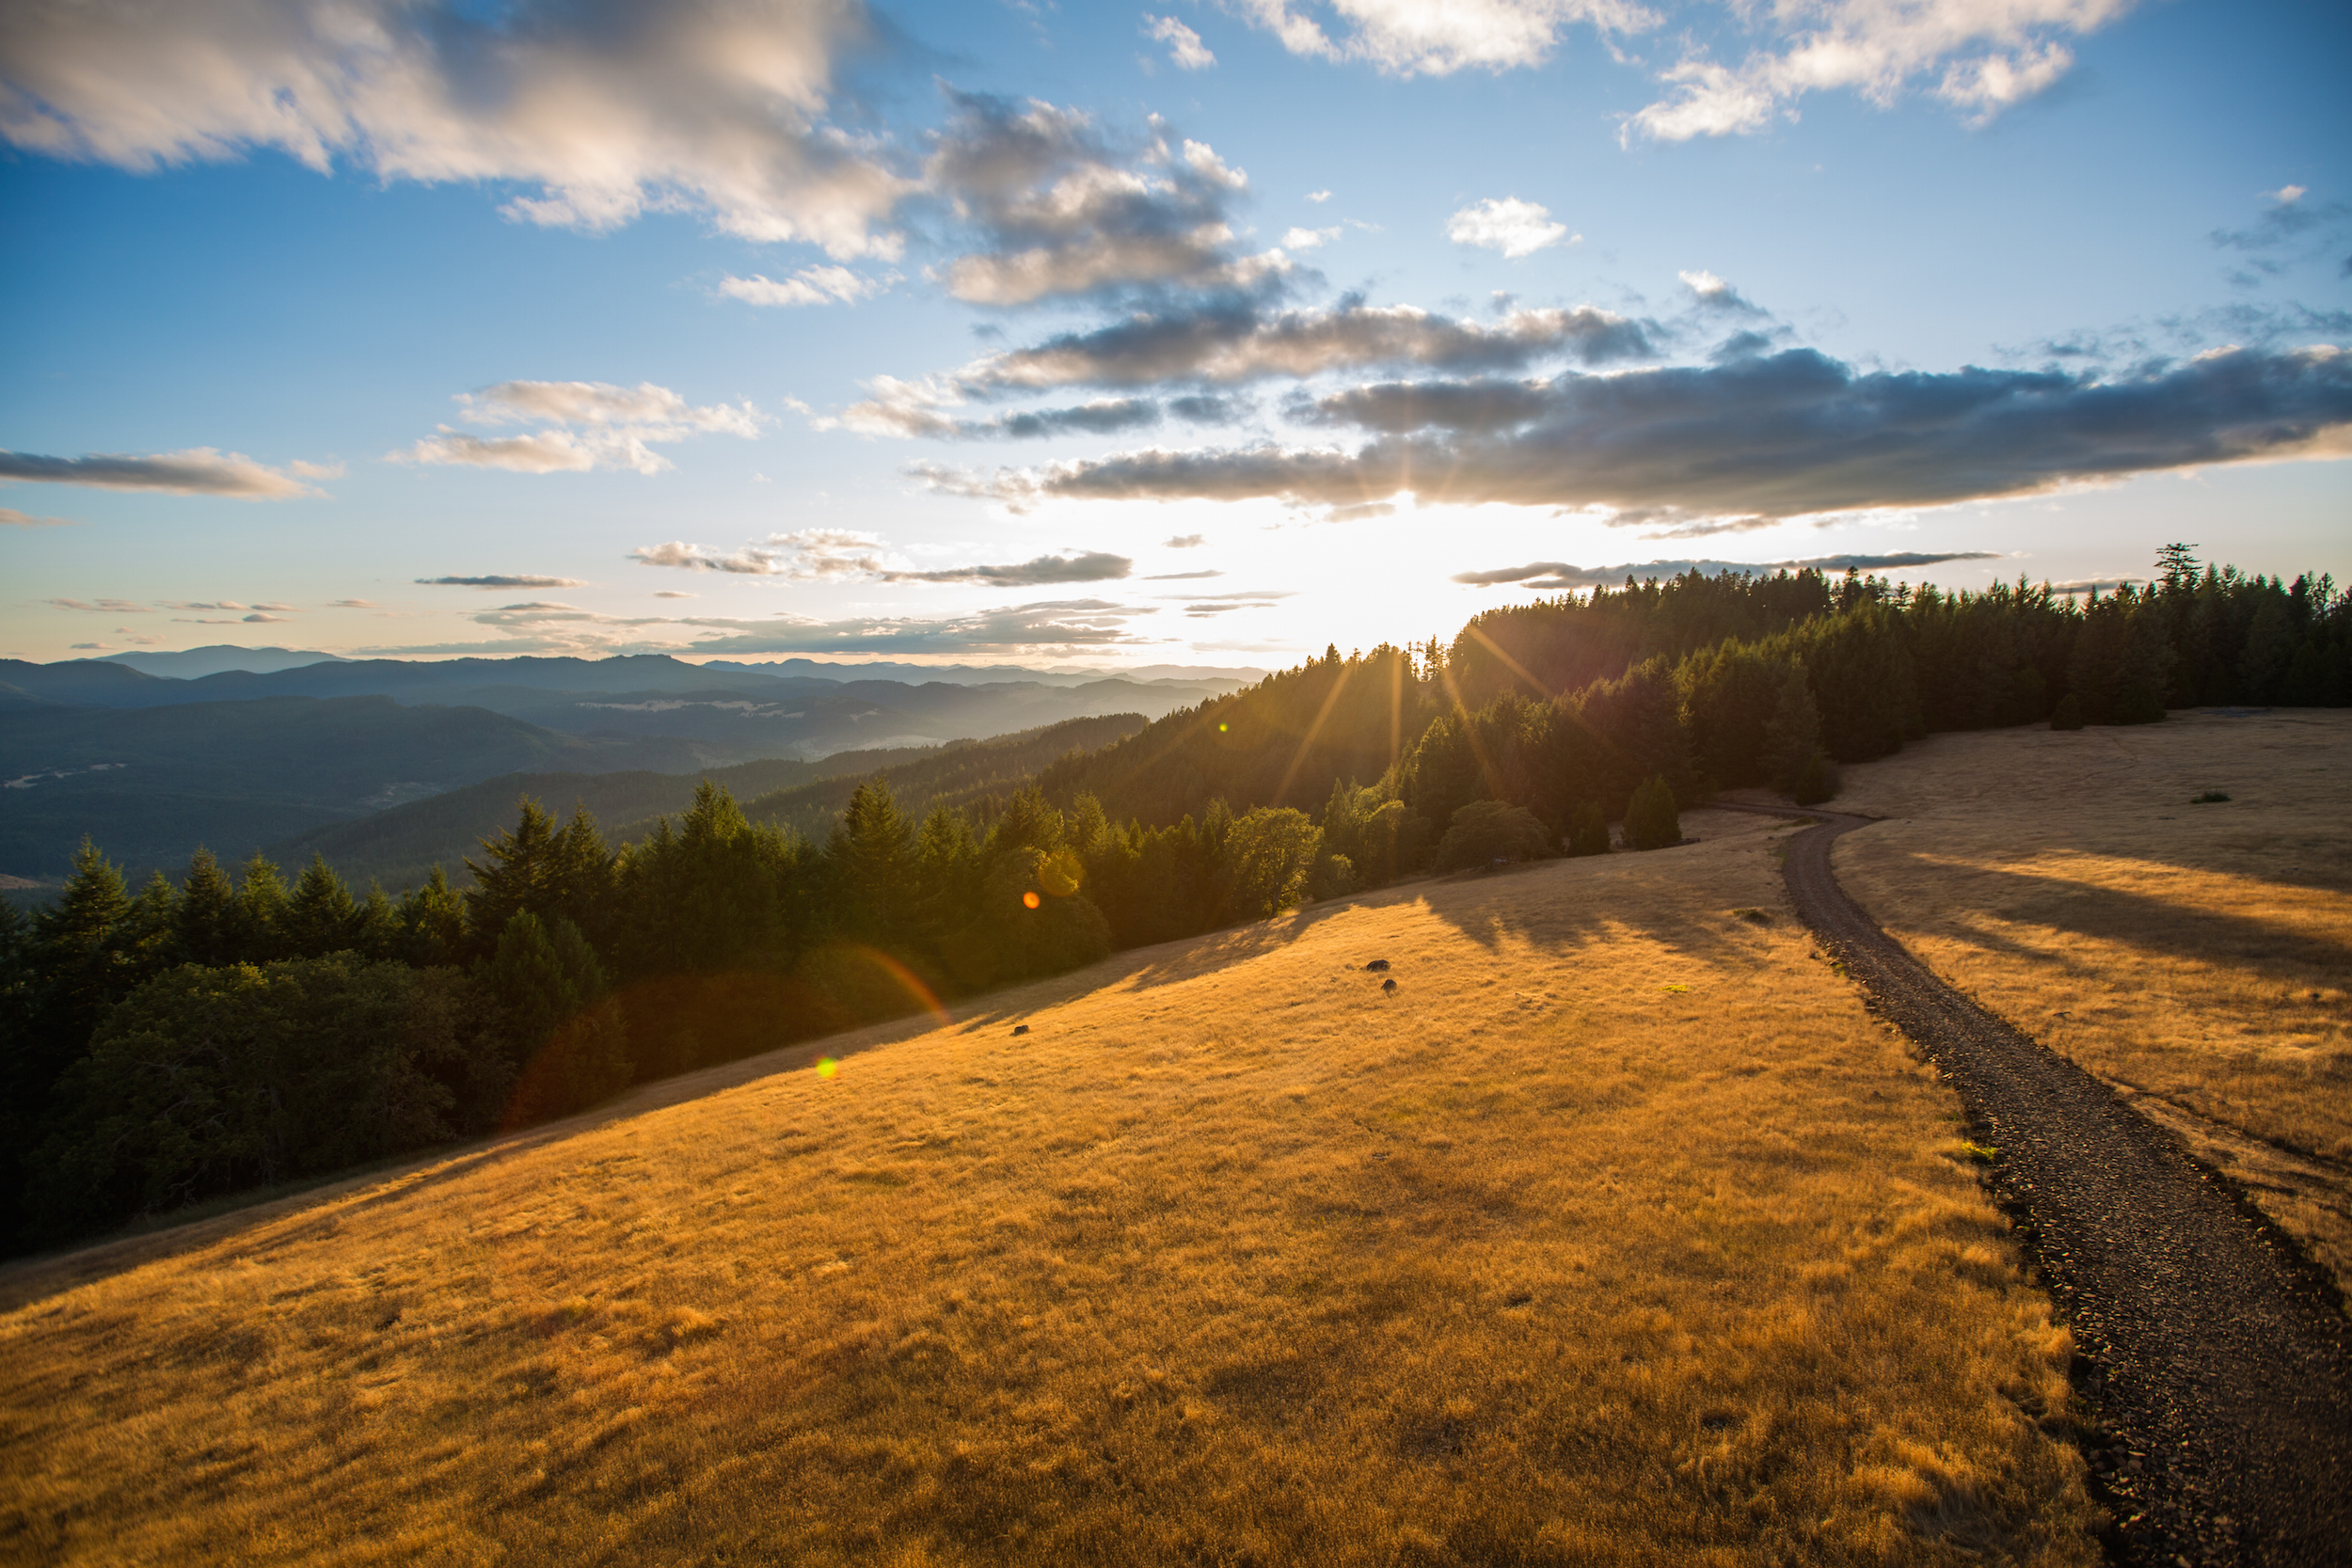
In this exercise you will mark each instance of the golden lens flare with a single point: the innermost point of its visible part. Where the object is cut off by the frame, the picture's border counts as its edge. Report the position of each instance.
(1029, 900)
(827, 1066)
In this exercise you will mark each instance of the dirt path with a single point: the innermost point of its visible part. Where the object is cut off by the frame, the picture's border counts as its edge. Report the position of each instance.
(2218, 1376)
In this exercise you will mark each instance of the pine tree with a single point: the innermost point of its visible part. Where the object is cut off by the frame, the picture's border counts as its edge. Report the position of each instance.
(207, 919)
(1793, 738)
(321, 917)
(259, 929)
(517, 873)
(873, 854)
(432, 922)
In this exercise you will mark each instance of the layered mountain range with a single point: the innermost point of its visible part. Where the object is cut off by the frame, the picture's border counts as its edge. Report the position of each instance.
(150, 764)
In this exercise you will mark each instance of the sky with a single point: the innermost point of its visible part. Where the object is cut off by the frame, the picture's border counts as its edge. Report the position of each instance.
(1105, 336)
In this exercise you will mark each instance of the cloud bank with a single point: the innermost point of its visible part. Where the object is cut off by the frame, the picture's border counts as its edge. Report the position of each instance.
(1698, 448)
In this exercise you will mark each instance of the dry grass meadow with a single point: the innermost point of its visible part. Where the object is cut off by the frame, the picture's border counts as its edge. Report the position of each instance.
(1618, 1234)
(2198, 956)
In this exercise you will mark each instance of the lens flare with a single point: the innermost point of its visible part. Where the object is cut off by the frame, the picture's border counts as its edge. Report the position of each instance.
(827, 1066)
(1029, 900)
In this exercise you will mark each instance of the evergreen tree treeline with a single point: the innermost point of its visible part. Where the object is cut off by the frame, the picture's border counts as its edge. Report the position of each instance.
(183, 1041)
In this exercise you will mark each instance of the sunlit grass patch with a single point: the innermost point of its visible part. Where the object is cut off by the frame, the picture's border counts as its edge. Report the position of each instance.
(1232, 1260)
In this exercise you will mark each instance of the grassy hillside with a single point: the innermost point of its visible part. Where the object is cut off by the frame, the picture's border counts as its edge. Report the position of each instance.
(2198, 954)
(1619, 1233)
(152, 784)
(959, 776)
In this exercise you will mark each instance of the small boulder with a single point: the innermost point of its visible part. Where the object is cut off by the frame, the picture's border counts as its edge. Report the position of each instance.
(1388, 986)
(1020, 1028)
(1377, 964)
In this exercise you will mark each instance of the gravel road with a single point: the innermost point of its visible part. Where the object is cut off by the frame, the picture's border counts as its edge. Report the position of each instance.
(2215, 1379)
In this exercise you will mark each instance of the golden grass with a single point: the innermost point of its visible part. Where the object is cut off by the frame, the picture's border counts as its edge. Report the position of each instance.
(2198, 954)
(1619, 1234)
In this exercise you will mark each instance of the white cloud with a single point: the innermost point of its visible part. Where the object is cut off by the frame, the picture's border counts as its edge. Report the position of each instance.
(808, 286)
(1184, 45)
(1704, 283)
(1408, 37)
(812, 554)
(198, 471)
(2287, 196)
(1307, 239)
(11, 517)
(1062, 211)
(609, 111)
(1318, 196)
(588, 424)
(1513, 227)
(1983, 55)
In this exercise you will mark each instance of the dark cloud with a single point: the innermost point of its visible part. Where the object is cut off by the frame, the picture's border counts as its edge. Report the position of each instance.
(1181, 577)
(899, 410)
(1737, 444)
(1232, 338)
(1561, 574)
(1200, 408)
(1092, 566)
(500, 582)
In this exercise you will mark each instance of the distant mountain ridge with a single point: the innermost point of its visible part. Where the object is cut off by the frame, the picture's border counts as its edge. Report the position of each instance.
(149, 784)
(214, 658)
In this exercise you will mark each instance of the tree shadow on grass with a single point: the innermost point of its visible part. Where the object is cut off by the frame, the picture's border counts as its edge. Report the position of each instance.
(2151, 924)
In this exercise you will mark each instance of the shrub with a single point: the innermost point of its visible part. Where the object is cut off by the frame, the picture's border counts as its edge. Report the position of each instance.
(1485, 831)
(1588, 830)
(1817, 783)
(2069, 713)
(1650, 820)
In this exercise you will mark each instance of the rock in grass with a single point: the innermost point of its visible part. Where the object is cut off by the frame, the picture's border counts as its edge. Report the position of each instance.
(1020, 1028)
(1387, 985)
(1377, 964)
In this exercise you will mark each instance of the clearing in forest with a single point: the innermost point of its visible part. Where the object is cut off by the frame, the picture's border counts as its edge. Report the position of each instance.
(1618, 1233)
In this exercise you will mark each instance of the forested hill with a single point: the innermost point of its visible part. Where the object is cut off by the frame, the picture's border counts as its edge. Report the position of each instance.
(1570, 699)
(400, 848)
(971, 777)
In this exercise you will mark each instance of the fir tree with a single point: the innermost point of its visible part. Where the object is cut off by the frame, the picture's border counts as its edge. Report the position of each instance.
(1793, 738)
(258, 929)
(517, 873)
(320, 917)
(207, 917)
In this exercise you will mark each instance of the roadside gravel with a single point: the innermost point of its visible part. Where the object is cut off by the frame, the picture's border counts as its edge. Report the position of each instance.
(2214, 1384)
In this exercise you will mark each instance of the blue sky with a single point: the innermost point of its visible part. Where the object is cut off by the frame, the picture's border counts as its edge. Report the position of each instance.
(1106, 335)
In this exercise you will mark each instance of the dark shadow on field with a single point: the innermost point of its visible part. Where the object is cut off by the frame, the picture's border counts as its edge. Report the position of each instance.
(2134, 919)
(1563, 906)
